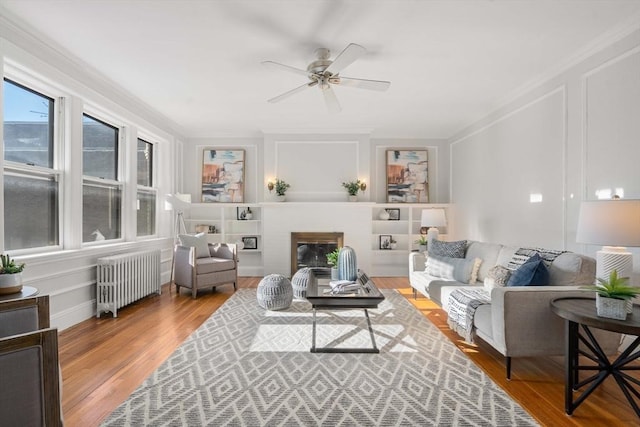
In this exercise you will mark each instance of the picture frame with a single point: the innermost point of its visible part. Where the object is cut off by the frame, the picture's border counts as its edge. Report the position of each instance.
(250, 242)
(241, 214)
(385, 241)
(407, 176)
(394, 214)
(222, 176)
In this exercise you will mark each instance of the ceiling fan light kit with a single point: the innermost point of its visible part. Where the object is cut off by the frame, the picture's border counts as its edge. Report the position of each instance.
(325, 73)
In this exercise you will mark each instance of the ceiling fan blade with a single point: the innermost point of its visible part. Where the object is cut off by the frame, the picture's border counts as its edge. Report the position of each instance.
(292, 92)
(346, 58)
(331, 100)
(279, 66)
(380, 85)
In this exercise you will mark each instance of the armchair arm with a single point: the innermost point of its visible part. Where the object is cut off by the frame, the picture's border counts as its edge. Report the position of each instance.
(184, 265)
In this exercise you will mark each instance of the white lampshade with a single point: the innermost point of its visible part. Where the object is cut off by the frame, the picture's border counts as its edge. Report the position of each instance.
(433, 218)
(613, 224)
(609, 223)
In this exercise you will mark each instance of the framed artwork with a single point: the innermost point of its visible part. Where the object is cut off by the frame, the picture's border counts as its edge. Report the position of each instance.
(385, 241)
(223, 176)
(250, 242)
(407, 176)
(394, 214)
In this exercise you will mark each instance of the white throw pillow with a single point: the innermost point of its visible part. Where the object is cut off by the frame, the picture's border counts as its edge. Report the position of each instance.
(498, 276)
(199, 241)
(459, 269)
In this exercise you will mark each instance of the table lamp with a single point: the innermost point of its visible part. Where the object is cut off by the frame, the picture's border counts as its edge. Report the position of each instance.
(432, 219)
(615, 224)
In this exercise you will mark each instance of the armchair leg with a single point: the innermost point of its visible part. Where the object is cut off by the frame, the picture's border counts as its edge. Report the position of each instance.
(508, 363)
(194, 292)
(415, 293)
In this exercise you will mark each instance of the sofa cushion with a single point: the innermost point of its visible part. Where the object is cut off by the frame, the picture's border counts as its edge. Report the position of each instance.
(213, 265)
(498, 276)
(448, 249)
(487, 252)
(531, 273)
(459, 269)
(198, 241)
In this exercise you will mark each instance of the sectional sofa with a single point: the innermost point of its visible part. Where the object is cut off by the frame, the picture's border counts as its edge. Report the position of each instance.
(518, 321)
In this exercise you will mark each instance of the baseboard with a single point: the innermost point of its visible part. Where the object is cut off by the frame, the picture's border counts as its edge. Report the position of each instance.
(74, 315)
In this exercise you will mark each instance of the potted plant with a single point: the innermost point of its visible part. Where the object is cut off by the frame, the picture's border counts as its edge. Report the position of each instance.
(612, 296)
(422, 243)
(332, 260)
(281, 189)
(352, 188)
(10, 275)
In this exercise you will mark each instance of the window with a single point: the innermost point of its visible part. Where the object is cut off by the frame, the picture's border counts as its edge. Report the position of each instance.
(102, 191)
(146, 197)
(31, 180)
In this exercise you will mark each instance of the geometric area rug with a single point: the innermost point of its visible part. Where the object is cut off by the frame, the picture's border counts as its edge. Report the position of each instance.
(246, 366)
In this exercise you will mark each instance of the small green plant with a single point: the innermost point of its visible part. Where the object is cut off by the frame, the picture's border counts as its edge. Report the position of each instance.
(281, 187)
(332, 257)
(422, 241)
(9, 266)
(616, 287)
(352, 187)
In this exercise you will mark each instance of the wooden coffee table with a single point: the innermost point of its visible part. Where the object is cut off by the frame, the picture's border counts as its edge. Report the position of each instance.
(368, 296)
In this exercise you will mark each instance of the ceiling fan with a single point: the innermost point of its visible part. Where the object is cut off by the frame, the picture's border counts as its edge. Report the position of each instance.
(325, 73)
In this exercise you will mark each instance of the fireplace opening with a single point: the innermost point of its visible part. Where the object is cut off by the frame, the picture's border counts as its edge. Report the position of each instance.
(311, 249)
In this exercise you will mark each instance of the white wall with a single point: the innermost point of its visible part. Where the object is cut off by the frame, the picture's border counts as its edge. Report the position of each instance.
(68, 275)
(567, 138)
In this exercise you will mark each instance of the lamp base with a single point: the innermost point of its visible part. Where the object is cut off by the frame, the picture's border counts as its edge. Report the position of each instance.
(432, 234)
(611, 258)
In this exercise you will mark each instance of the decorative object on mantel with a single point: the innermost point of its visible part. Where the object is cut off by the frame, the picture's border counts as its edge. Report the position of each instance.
(10, 275)
(352, 188)
(281, 188)
(407, 177)
(430, 220)
(612, 296)
(347, 264)
(332, 260)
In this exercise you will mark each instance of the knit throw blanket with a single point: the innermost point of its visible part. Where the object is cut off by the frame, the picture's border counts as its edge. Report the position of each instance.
(462, 307)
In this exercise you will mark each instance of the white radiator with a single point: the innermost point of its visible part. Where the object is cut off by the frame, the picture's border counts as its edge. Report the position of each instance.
(123, 279)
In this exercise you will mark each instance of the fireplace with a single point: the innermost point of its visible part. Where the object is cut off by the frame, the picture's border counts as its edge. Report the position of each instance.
(311, 249)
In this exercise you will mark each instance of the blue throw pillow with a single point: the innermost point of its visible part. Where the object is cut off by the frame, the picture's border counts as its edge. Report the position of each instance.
(531, 273)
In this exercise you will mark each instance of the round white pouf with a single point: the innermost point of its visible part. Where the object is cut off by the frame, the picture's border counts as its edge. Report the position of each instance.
(275, 292)
(301, 281)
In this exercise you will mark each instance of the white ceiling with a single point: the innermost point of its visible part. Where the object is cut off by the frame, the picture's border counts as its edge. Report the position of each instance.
(449, 62)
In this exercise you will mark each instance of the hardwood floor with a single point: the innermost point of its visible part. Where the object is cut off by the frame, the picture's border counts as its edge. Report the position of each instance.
(104, 360)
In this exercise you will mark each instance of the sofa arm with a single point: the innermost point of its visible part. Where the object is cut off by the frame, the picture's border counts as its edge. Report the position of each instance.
(524, 325)
(416, 262)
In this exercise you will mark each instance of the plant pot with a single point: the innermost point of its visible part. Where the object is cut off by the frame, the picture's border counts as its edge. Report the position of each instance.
(353, 198)
(248, 216)
(334, 273)
(281, 198)
(611, 308)
(422, 248)
(393, 245)
(10, 283)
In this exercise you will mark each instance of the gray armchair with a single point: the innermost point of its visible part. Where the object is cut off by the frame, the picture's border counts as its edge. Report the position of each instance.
(30, 392)
(220, 268)
(24, 315)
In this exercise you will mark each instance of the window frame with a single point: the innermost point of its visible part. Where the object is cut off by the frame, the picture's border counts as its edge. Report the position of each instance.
(119, 182)
(148, 189)
(28, 170)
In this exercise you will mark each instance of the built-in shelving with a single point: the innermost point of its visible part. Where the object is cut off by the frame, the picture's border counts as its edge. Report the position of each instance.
(403, 227)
